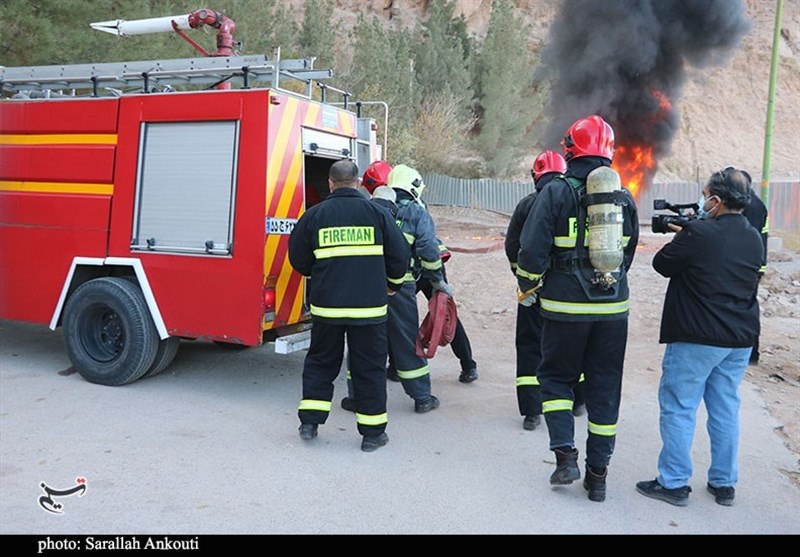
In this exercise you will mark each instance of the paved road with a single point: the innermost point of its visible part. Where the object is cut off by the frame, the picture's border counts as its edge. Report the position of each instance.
(211, 447)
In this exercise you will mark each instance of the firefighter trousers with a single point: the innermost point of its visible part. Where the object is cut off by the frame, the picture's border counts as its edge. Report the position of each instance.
(597, 348)
(403, 327)
(367, 348)
(528, 343)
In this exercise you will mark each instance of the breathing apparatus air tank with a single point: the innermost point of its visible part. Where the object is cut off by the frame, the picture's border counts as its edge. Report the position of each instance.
(604, 199)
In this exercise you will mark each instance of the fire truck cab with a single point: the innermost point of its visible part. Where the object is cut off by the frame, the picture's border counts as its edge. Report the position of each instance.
(138, 215)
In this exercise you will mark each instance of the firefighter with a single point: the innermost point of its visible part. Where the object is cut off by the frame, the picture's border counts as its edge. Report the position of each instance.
(419, 230)
(354, 255)
(585, 312)
(546, 166)
(756, 213)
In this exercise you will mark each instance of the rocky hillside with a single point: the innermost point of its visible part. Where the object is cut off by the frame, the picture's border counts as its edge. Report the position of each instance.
(723, 109)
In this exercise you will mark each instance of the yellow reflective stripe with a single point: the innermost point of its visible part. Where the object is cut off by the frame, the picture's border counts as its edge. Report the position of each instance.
(376, 419)
(625, 240)
(356, 313)
(556, 405)
(603, 430)
(414, 373)
(766, 226)
(528, 275)
(322, 405)
(431, 265)
(346, 251)
(57, 187)
(581, 379)
(442, 247)
(762, 269)
(526, 380)
(59, 139)
(400, 280)
(409, 237)
(514, 266)
(409, 277)
(569, 242)
(348, 374)
(578, 308)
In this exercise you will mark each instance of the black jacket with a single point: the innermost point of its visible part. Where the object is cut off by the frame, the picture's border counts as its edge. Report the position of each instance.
(756, 214)
(521, 212)
(549, 252)
(713, 270)
(351, 249)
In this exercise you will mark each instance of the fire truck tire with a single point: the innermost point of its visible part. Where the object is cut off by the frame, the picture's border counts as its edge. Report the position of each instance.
(167, 350)
(109, 334)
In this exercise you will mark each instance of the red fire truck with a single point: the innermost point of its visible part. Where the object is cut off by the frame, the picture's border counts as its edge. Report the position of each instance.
(134, 215)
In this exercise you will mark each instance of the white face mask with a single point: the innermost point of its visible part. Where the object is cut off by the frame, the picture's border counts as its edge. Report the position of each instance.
(701, 203)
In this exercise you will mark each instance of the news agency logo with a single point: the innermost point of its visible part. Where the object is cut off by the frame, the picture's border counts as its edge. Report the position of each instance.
(47, 502)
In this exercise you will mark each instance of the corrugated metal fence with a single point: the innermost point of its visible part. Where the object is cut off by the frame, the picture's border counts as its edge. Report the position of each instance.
(502, 197)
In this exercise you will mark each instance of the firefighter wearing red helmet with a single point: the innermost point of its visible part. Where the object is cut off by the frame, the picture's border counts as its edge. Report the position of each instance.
(376, 175)
(546, 166)
(585, 310)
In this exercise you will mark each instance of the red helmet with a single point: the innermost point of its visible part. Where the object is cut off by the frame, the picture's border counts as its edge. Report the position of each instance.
(376, 175)
(546, 162)
(587, 137)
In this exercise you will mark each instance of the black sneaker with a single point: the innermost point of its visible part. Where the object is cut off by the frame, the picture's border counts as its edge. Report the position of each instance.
(348, 404)
(468, 375)
(426, 406)
(678, 496)
(308, 431)
(722, 495)
(531, 422)
(373, 443)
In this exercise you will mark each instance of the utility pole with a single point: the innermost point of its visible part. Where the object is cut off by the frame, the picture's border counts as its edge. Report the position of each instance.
(773, 78)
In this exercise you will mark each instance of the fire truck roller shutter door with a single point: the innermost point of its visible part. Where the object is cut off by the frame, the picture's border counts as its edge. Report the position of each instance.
(109, 334)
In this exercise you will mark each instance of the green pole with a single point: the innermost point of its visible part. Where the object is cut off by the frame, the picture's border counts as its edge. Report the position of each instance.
(773, 78)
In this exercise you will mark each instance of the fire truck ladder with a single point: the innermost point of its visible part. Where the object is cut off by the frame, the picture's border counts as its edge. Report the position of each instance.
(157, 75)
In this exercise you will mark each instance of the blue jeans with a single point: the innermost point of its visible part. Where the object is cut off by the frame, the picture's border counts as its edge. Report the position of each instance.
(691, 373)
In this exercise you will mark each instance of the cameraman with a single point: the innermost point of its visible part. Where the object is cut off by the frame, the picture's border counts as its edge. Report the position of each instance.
(709, 323)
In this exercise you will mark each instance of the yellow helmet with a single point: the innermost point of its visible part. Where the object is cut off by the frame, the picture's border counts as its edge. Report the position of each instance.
(407, 179)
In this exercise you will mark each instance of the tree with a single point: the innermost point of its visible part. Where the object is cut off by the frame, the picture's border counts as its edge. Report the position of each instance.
(382, 70)
(503, 84)
(317, 38)
(441, 63)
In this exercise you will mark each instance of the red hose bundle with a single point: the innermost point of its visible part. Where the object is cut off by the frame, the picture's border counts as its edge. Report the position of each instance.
(439, 326)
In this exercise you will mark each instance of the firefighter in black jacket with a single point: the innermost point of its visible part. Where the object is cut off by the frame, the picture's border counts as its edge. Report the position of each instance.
(355, 256)
(546, 166)
(585, 310)
(756, 213)
(419, 231)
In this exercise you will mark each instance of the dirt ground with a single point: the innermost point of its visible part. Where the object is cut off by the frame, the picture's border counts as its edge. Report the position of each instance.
(484, 289)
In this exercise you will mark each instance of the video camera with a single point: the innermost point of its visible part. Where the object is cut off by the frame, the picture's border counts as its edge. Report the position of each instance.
(680, 218)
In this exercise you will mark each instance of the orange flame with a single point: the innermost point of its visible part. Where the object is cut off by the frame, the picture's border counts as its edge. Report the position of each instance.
(635, 163)
(636, 167)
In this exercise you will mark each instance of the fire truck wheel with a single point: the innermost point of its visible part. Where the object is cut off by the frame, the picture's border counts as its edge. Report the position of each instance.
(231, 345)
(167, 350)
(109, 333)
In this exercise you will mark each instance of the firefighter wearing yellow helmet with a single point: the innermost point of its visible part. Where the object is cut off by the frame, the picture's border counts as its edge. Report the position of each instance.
(403, 325)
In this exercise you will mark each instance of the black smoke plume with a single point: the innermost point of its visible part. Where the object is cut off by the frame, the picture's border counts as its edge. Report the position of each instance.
(616, 58)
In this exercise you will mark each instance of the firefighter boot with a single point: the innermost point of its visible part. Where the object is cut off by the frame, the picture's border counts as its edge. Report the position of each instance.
(567, 470)
(595, 484)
